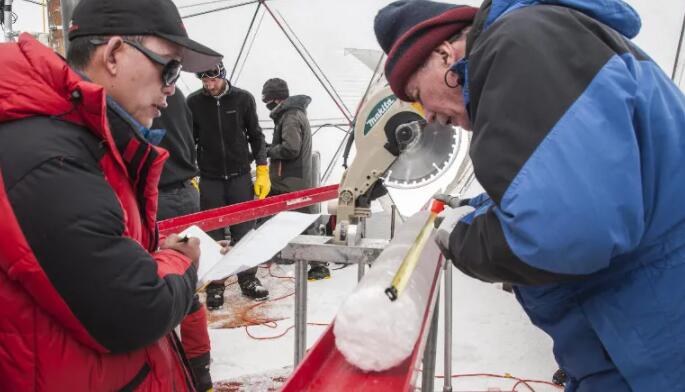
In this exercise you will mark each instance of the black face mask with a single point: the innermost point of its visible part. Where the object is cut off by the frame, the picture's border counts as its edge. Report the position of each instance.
(271, 105)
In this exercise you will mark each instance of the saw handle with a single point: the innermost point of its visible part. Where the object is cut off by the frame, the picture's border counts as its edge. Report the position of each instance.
(449, 200)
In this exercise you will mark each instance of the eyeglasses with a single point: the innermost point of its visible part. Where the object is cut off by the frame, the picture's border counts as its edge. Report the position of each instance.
(171, 68)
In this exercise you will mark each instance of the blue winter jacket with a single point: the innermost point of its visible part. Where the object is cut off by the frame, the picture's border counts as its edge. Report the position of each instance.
(579, 142)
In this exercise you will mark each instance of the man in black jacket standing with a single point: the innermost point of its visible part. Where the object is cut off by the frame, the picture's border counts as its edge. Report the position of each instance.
(290, 151)
(224, 123)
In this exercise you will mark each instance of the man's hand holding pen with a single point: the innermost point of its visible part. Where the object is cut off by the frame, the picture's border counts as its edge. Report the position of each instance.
(188, 246)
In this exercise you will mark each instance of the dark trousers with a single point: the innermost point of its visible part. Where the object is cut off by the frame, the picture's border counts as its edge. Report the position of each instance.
(220, 193)
(178, 200)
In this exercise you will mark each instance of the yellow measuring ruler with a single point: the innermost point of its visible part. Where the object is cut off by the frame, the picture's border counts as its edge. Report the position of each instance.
(403, 274)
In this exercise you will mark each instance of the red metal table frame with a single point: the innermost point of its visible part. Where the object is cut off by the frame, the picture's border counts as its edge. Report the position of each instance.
(250, 210)
(325, 369)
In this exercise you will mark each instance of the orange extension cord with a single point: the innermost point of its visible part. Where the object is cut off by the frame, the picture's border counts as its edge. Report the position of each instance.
(519, 381)
(271, 323)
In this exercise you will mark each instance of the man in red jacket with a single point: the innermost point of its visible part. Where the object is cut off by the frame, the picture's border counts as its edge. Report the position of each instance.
(88, 298)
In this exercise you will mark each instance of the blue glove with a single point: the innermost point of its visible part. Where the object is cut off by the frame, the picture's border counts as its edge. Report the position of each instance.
(448, 221)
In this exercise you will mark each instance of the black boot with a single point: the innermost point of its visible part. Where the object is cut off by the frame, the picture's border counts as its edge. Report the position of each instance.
(200, 368)
(318, 272)
(215, 295)
(252, 288)
(559, 377)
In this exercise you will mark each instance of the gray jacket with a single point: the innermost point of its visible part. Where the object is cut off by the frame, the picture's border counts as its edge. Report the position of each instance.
(291, 147)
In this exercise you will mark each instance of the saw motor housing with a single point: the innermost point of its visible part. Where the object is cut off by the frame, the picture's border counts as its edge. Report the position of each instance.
(381, 119)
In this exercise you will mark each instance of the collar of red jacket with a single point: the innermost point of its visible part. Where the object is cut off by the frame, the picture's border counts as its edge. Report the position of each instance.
(35, 81)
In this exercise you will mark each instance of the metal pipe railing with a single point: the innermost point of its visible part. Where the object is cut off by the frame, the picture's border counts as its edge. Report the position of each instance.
(300, 310)
(447, 385)
(7, 22)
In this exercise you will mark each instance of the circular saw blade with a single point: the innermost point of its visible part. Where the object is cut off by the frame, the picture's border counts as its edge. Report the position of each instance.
(426, 160)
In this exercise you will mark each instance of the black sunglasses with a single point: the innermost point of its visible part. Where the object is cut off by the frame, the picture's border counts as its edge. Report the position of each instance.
(171, 68)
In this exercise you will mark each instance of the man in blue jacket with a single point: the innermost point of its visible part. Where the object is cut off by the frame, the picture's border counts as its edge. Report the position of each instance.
(579, 143)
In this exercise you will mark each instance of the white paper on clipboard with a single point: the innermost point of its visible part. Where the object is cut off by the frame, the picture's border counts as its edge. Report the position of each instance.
(256, 247)
(210, 250)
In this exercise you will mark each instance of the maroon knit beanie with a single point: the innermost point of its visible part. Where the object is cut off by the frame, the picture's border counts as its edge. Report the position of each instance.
(409, 30)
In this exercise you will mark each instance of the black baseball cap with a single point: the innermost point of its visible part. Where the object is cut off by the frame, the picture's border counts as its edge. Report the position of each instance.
(141, 17)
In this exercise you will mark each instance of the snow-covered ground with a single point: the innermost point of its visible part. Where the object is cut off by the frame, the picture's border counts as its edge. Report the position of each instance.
(491, 334)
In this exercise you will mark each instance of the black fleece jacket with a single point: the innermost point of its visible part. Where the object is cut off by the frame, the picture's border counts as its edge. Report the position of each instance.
(178, 122)
(223, 126)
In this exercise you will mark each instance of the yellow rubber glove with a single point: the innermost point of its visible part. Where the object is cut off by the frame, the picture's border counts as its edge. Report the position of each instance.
(262, 184)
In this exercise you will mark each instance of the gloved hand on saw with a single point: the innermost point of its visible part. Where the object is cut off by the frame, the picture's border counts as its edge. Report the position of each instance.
(262, 184)
(447, 221)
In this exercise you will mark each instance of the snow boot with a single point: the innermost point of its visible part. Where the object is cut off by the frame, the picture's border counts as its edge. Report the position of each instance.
(559, 377)
(200, 368)
(252, 288)
(215, 295)
(318, 272)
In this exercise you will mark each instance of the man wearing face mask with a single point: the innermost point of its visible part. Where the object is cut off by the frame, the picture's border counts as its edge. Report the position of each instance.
(228, 139)
(290, 152)
(89, 297)
(578, 142)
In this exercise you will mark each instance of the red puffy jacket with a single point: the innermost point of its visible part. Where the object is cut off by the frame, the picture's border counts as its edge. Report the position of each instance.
(86, 303)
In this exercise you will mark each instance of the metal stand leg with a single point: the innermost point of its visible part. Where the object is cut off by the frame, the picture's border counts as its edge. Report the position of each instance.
(361, 266)
(300, 309)
(428, 382)
(7, 23)
(393, 214)
(447, 386)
